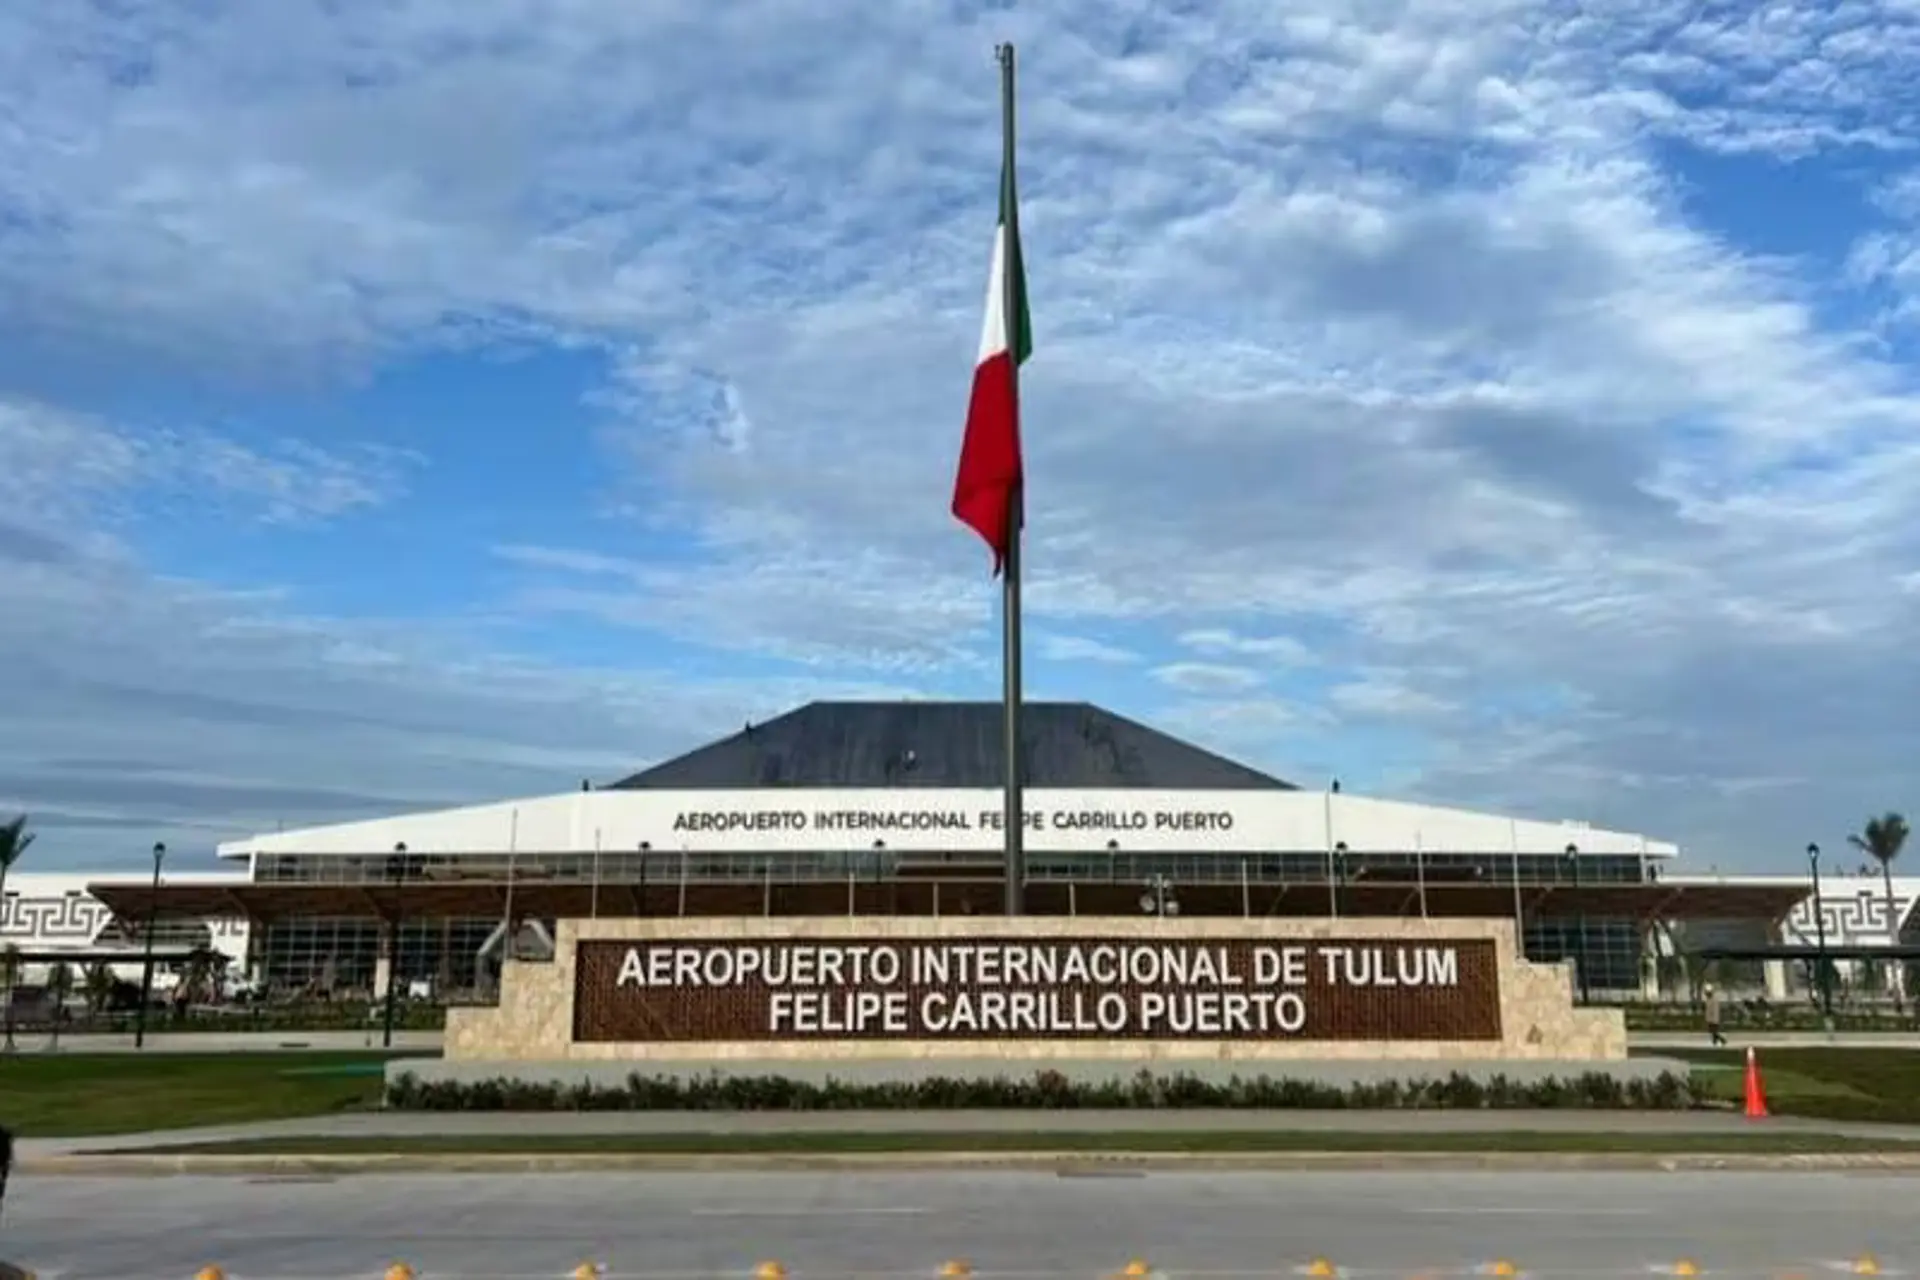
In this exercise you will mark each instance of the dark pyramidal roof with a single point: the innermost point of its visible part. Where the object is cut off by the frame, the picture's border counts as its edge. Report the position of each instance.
(948, 744)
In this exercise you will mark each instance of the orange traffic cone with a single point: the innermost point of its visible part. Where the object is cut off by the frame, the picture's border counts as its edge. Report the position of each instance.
(1756, 1094)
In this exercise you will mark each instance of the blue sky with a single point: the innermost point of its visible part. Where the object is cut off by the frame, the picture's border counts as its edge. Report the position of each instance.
(1507, 404)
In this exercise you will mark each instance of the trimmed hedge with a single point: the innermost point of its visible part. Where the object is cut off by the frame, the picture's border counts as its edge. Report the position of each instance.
(1044, 1091)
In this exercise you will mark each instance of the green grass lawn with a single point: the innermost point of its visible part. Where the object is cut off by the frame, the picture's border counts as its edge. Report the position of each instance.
(1826, 1083)
(44, 1095)
(72, 1095)
(1224, 1141)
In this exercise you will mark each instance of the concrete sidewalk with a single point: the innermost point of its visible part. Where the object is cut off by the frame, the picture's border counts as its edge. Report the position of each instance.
(239, 1042)
(430, 1041)
(1664, 1040)
(404, 1124)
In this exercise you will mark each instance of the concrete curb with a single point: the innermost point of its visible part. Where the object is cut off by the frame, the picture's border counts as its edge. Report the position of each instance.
(1065, 1163)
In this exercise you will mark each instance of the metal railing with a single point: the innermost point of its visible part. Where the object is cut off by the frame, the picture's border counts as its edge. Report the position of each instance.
(666, 866)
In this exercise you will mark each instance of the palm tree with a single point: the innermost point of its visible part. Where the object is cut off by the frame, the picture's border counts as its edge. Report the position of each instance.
(201, 979)
(14, 839)
(1882, 840)
(98, 986)
(59, 987)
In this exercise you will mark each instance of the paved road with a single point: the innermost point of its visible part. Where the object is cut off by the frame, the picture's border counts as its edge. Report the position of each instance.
(1704, 1124)
(689, 1227)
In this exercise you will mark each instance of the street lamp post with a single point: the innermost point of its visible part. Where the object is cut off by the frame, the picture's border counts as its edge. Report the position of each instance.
(1158, 900)
(1822, 970)
(1336, 872)
(146, 964)
(397, 874)
(1580, 943)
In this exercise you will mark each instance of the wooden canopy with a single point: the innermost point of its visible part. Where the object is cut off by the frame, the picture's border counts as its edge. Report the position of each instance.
(952, 895)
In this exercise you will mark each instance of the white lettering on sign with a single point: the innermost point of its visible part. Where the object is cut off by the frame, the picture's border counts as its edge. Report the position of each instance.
(1006, 987)
(1391, 967)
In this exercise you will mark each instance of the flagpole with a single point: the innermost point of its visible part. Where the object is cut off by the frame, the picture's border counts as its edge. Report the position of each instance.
(1010, 576)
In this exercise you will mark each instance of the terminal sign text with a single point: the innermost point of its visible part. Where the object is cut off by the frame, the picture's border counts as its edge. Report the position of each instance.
(1035, 989)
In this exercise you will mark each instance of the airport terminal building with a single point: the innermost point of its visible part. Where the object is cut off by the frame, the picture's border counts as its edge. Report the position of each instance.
(896, 808)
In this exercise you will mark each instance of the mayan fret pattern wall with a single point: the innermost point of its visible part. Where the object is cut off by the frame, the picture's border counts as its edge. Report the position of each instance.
(1854, 911)
(54, 911)
(68, 918)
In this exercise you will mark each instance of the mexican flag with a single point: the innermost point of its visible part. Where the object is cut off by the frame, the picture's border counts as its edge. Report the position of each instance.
(990, 474)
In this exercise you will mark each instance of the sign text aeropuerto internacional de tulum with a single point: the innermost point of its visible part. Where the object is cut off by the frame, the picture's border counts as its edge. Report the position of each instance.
(1002, 988)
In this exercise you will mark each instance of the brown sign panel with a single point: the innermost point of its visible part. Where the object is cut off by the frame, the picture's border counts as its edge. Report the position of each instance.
(1078, 988)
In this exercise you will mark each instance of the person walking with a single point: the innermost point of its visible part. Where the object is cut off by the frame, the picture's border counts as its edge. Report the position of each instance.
(1713, 1016)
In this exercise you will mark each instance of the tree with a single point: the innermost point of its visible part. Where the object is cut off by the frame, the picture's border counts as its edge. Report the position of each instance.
(98, 986)
(14, 839)
(1882, 839)
(200, 982)
(59, 987)
(9, 977)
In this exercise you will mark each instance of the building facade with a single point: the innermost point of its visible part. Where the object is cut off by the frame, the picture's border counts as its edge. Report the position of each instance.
(900, 803)
(49, 915)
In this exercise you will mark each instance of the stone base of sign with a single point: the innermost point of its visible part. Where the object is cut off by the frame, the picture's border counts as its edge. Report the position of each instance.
(534, 1021)
(1339, 1074)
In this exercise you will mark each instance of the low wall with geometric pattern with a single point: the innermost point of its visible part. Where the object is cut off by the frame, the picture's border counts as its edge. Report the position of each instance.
(682, 990)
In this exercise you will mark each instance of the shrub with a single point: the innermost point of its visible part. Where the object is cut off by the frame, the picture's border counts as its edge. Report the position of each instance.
(1045, 1090)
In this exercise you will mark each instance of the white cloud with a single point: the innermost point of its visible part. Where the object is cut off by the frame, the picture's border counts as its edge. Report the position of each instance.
(1282, 650)
(1388, 327)
(68, 474)
(1385, 698)
(1207, 677)
(1055, 647)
